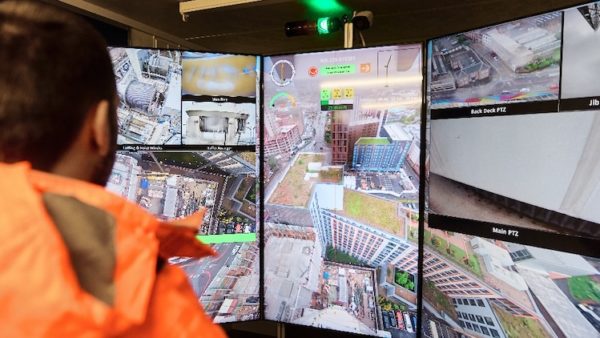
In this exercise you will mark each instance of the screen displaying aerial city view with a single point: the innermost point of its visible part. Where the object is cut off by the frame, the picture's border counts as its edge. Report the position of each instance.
(149, 89)
(176, 184)
(581, 52)
(342, 148)
(481, 287)
(518, 61)
(219, 98)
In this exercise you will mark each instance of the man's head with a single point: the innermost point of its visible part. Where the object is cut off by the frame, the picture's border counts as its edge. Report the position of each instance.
(57, 92)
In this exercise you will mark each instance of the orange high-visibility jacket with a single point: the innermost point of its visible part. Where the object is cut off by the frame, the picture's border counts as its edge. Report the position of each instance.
(78, 261)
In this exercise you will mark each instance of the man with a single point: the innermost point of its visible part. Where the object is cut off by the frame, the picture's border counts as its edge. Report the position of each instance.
(76, 260)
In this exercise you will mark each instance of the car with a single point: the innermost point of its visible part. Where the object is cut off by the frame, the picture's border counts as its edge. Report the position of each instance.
(408, 322)
(400, 320)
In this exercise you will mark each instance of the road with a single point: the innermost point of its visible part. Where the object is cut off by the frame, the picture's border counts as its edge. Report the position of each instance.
(201, 272)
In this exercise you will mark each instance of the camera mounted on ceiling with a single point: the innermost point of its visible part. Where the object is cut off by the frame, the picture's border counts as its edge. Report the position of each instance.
(362, 20)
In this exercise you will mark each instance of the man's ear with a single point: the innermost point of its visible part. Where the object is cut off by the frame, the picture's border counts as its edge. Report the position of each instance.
(100, 125)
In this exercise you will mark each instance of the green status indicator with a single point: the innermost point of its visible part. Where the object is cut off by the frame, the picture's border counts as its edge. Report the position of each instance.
(338, 69)
(227, 238)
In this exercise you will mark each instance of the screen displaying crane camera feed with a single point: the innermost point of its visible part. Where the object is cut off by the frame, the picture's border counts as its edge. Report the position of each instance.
(219, 98)
(534, 169)
(149, 89)
(176, 184)
(341, 145)
(581, 55)
(490, 287)
(171, 97)
(504, 67)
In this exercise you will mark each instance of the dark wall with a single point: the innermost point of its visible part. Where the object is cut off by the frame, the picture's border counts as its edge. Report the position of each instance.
(114, 35)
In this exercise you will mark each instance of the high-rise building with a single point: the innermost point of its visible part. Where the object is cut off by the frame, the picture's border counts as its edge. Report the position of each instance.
(338, 129)
(455, 282)
(373, 240)
(364, 128)
(382, 153)
(283, 142)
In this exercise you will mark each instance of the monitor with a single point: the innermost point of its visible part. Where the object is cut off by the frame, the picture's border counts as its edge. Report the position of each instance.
(342, 146)
(187, 140)
(509, 148)
(538, 284)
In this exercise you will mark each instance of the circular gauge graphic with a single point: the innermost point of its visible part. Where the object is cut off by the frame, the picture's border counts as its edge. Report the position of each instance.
(282, 72)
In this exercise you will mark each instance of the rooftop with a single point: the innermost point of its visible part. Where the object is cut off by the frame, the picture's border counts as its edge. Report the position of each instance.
(373, 141)
(373, 211)
(397, 133)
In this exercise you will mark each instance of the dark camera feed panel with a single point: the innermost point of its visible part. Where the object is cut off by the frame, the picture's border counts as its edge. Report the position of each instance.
(176, 184)
(482, 287)
(514, 62)
(342, 145)
(149, 89)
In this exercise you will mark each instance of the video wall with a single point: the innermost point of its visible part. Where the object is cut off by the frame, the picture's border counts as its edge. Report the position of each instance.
(187, 138)
(342, 147)
(511, 242)
(509, 246)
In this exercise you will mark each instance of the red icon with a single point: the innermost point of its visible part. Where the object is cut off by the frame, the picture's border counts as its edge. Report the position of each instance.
(313, 71)
(365, 67)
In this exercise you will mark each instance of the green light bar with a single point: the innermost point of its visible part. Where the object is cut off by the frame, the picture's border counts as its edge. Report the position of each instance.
(227, 238)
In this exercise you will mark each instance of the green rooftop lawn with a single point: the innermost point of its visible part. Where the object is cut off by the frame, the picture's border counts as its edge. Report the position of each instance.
(584, 289)
(373, 140)
(372, 211)
(455, 253)
(438, 299)
(519, 327)
(294, 190)
(331, 175)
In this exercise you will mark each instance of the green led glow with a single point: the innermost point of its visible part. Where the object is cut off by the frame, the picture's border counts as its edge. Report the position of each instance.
(323, 25)
(325, 6)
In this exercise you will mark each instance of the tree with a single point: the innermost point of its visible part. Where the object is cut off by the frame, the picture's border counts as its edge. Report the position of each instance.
(272, 163)
(401, 278)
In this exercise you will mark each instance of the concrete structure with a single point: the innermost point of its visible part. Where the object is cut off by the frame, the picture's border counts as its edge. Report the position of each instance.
(566, 317)
(283, 142)
(519, 44)
(521, 160)
(455, 282)
(124, 178)
(170, 210)
(369, 243)
(292, 275)
(414, 155)
(441, 78)
(382, 153)
(362, 128)
(477, 317)
(467, 67)
(340, 143)
(336, 318)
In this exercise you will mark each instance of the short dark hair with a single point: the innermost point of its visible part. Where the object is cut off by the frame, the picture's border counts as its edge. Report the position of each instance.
(54, 67)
